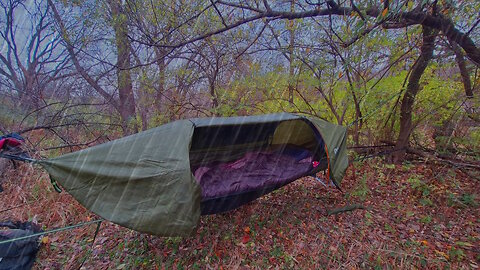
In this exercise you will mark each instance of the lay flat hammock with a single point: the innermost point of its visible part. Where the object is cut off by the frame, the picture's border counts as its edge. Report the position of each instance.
(161, 180)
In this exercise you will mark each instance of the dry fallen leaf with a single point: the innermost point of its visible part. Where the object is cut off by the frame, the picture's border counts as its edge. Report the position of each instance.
(384, 12)
(45, 240)
(442, 254)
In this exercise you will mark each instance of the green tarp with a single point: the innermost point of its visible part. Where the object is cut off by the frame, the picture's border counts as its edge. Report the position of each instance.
(144, 181)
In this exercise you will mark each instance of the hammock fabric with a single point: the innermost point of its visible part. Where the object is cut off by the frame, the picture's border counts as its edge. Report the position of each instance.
(161, 180)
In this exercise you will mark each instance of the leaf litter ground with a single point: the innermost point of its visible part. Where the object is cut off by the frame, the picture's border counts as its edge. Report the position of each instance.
(417, 215)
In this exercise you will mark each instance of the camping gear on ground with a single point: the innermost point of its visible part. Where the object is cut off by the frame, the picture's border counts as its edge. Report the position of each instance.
(20, 254)
(161, 180)
(10, 147)
(10, 141)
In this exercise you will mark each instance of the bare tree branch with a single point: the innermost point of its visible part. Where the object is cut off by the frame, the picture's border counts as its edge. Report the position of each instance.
(76, 62)
(416, 16)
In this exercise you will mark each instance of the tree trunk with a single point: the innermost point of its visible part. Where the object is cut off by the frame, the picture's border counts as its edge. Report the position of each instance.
(413, 86)
(291, 70)
(358, 112)
(125, 87)
(212, 81)
(162, 66)
(30, 100)
(459, 57)
(89, 79)
(213, 93)
(144, 117)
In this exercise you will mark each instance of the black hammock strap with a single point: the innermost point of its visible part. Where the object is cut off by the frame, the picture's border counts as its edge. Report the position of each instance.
(17, 157)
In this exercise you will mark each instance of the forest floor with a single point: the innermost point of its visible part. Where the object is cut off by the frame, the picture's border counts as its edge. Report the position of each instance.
(416, 216)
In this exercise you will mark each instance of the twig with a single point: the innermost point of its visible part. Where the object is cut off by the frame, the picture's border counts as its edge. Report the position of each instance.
(433, 158)
(345, 209)
(369, 146)
(469, 174)
(17, 206)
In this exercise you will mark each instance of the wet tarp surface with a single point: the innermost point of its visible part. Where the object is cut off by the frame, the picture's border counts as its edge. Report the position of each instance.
(142, 181)
(145, 181)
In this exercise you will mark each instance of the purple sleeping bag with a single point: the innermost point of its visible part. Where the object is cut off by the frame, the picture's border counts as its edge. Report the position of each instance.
(255, 170)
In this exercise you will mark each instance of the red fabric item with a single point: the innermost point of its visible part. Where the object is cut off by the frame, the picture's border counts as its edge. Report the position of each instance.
(13, 142)
(315, 164)
(9, 142)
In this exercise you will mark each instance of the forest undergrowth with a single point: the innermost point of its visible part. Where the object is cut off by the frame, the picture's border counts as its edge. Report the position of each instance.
(416, 215)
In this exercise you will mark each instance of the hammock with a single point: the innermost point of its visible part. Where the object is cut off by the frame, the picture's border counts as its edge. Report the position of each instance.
(161, 180)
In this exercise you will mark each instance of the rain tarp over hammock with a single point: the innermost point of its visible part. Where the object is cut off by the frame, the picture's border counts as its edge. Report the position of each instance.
(161, 180)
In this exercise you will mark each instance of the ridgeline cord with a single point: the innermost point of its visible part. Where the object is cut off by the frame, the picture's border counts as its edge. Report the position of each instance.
(61, 229)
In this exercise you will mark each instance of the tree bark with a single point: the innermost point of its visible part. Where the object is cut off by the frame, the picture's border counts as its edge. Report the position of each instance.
(124, 79)
(459, 57)
(213, 93)
(358, 112)
(213, 80)
(448, 28)
(160, 54)
(413, 87)
(291, 67)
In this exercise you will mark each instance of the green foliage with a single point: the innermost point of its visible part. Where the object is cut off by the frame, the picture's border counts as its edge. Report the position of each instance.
(471, 142)
(389, 228)
(456, 254)
(368, 218)
(439, 97)
(418, 185)
(469, 199)
(421, 189)
(426, 219)
(462, 201)
(362, 190)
